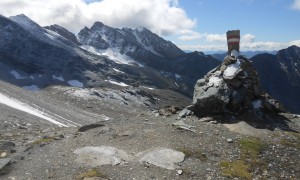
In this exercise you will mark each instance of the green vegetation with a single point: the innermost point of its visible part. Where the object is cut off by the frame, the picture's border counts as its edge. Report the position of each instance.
(250, 148)
(295, 143)
(44, 140)
(235, 169)
(91, 173)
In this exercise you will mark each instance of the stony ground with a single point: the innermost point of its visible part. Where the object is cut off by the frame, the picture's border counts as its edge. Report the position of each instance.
(220, 147)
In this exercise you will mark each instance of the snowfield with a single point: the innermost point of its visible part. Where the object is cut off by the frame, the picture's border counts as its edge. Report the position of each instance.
(112, 54)
(31, 88)
(117, 83)
(28, 109)
(75, 83)
(17, 75)
(59, 78)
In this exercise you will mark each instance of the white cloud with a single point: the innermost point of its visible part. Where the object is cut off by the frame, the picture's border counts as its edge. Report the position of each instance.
(163, 17)
(248, 38)
(215, 37)
(204, 47)
(245, 46)
(296, 42)
(262, 46)
(189, 35)
(296, 4)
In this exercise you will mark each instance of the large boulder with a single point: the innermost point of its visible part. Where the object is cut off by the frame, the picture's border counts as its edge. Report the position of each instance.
(232, 87)
(211, 94)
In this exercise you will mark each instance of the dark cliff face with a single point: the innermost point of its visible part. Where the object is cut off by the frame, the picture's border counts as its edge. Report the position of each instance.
(280, 77)
(64, 33)
(151, 50)
(134, 43)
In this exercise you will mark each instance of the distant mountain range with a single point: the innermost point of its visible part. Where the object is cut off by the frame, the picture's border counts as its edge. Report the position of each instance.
(249, 54)
(102, 56)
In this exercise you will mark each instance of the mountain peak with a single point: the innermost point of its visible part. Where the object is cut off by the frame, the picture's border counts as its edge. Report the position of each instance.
(141, 29)
(63, 32)
(24, 21)
(97, 24)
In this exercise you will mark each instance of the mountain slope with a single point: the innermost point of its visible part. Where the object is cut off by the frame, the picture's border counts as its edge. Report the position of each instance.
(280, 76)
(143, 46)
(46, 57)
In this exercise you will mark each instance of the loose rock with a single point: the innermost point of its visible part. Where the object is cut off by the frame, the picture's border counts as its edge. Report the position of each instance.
(161, 157)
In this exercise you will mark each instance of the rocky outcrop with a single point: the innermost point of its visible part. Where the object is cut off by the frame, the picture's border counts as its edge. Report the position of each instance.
(280, 76)
(64, 33)
(232, 87)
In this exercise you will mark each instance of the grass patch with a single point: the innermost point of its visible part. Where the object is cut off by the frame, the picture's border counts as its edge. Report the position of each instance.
(91, 173)
(295, 143)
(251, 146)
(235, 169)
(249, 161)
(44, 140)
(196, 153)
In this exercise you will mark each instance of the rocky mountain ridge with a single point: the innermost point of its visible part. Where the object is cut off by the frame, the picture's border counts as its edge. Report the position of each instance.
(94, 113)
(102, 54)
(279, 75)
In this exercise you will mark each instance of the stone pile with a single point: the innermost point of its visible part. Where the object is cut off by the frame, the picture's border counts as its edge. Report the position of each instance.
(232, 87)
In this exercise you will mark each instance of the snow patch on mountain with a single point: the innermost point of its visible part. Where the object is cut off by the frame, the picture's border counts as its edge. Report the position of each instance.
(31, 88)
(59, 78)
(28, 109)
(17, 75)
(117, 83)
(148, 48)
(215, 81)
(177, 76)
(117, 70)
(112, 54)
(75, 83)
(256, 104)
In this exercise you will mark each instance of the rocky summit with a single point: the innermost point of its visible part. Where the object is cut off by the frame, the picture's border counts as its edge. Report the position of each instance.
(232, 87)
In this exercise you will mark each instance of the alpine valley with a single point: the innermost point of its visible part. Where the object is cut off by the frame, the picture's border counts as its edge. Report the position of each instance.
(105, 104)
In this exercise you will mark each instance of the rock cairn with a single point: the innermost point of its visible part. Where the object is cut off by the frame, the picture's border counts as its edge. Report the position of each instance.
(233, 86)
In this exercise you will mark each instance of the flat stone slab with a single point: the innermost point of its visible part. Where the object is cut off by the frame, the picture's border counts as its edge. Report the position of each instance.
(103, 155)
(161, 157)
(246, 129)
(4, 162)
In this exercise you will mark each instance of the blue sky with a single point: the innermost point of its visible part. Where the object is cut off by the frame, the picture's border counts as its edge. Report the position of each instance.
(190, 24)
(267, 20)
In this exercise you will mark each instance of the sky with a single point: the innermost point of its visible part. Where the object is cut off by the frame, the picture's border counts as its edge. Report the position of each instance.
(190, 24)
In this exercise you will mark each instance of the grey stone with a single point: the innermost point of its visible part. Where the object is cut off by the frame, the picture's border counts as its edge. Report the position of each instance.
(126, 133)
(184, 113)
(246, 129)
(4, 162)
(94, 178)
(8, 145)
(161, 157)
(229, 140)
(181, 125)
(103, 155)
(90, 126)
(206, 119)
(211, 100)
